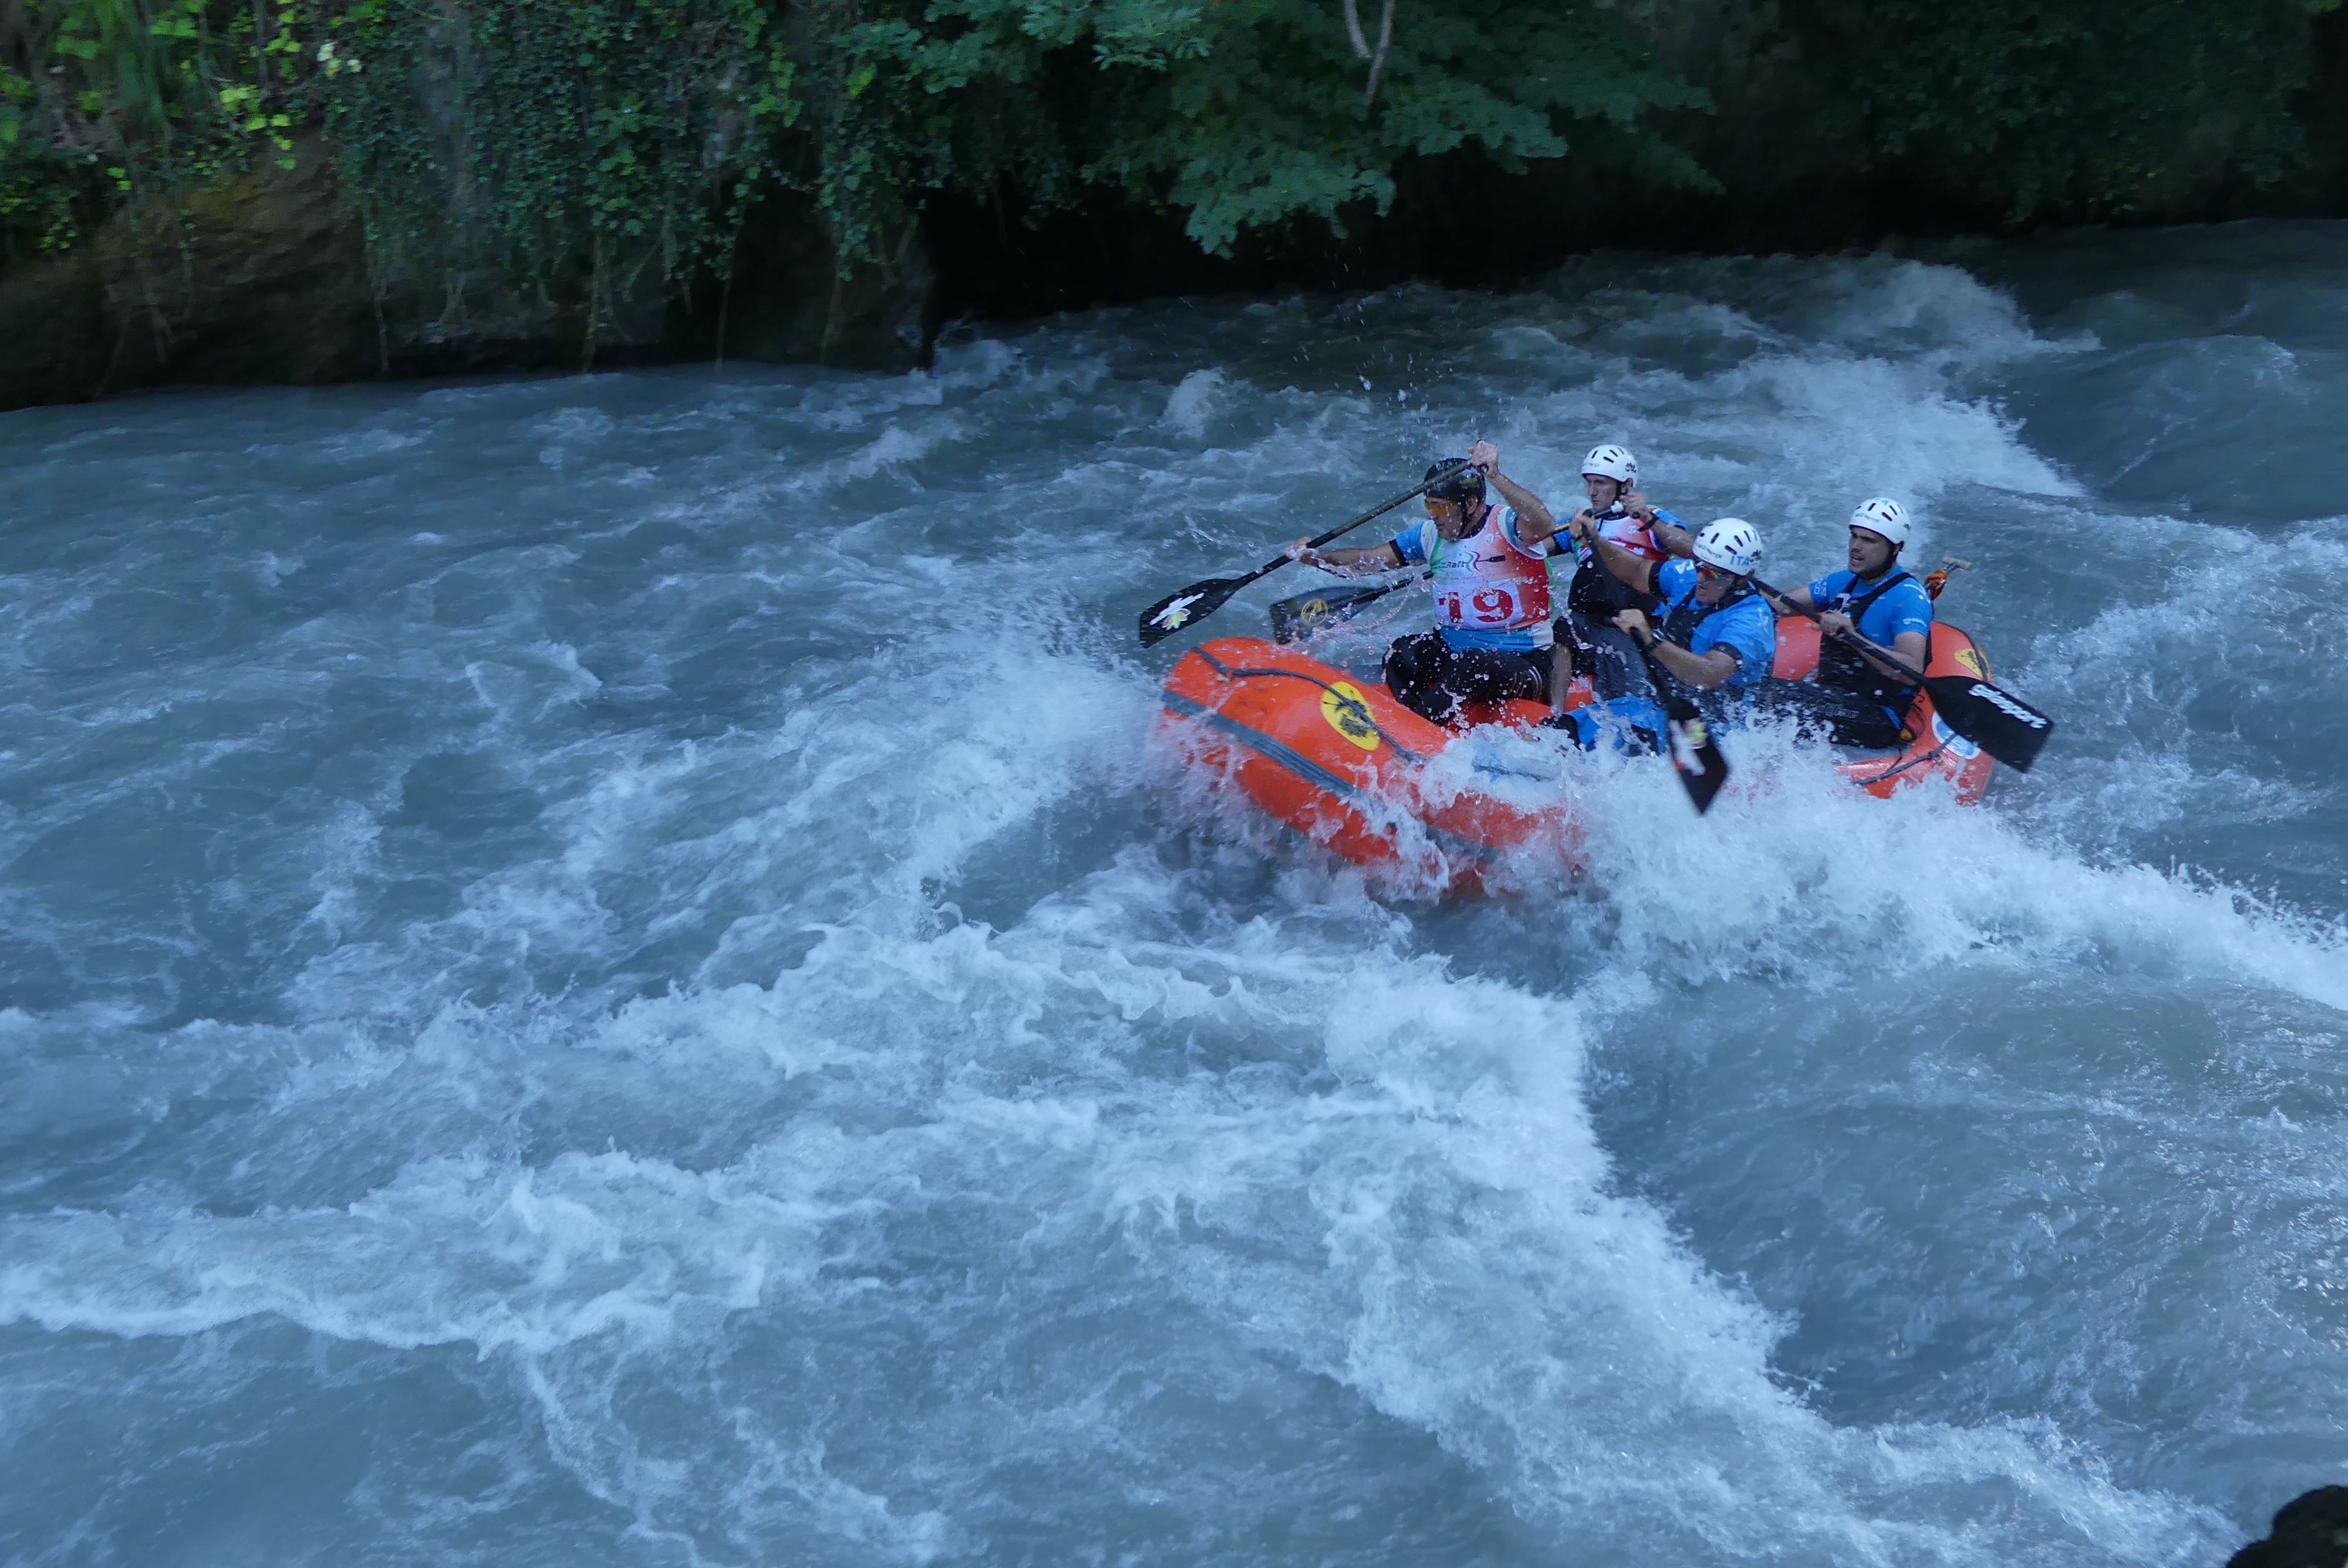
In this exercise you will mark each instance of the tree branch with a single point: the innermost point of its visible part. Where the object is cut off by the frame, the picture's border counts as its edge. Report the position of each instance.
(1386, 38)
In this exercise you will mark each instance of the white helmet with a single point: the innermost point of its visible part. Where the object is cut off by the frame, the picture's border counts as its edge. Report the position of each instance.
(1731, 544)
(1613, 463)
(1882, 516)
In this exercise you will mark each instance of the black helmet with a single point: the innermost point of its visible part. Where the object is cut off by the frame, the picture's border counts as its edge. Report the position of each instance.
(1467, 485)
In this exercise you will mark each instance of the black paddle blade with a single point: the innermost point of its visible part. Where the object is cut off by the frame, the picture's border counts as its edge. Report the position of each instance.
(1301, 616)
(1999, 723)
(1696, 756)
(1179, 608)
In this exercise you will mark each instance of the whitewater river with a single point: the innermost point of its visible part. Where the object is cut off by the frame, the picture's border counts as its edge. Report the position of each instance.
(606, 970)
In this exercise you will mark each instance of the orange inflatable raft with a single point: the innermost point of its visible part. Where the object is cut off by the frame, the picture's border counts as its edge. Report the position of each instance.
(1934, 750)
(1338, 759)
(1335, 757)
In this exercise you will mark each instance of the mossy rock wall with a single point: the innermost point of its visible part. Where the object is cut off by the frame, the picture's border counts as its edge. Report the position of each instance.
(267, 280)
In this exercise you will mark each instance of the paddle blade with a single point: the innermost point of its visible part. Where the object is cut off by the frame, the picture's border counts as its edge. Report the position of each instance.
(1696, 756)
(1999, 723)
(1185, 606)
(1307, 613)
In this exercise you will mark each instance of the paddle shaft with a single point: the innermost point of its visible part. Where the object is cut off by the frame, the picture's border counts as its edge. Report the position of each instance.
(1915, 678)
(1276, 562)
(1188, 606)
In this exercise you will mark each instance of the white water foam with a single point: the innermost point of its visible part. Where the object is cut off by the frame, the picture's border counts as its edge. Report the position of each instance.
(864, 1111)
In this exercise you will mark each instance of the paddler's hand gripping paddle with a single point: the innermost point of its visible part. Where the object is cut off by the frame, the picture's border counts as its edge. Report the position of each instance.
(1996, 721)
(1201, 600)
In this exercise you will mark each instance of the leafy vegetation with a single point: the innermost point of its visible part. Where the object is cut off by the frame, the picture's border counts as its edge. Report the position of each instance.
(552, 140)
(527, 135)
(103, 99)
(2077, 109)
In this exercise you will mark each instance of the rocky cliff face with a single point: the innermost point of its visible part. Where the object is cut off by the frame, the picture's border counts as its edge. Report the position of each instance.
(268, 280)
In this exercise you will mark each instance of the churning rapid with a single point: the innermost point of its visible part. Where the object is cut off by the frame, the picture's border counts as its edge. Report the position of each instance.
(608, 969)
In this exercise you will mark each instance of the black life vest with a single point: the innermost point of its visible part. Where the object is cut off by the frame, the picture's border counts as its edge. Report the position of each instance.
(1839, 664)
(1596, 592)
(1681, 625)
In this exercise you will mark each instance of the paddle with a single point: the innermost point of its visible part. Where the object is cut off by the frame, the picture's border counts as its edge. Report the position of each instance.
(1305, 613)
(1695, 755)
(1201, 600)
(1998, 722)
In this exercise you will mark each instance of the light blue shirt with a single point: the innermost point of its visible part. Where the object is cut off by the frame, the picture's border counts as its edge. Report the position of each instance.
(1748, 627)
(1907, 607)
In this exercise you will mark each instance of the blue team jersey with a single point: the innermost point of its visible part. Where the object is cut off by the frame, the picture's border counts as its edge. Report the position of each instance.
(1746, 626)
(1907, 607)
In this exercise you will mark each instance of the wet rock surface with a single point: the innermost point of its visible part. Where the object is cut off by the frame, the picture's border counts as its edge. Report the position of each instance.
(268, 280)
(2309, 1532)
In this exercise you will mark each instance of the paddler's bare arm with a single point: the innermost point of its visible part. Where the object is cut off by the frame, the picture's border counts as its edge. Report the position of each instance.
(1631, 570)
(1675, 539)
(1345, 561)
(1702, 671)
(1535, 521)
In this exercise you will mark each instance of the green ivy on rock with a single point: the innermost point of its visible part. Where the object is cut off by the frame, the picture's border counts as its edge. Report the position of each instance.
(551, 140)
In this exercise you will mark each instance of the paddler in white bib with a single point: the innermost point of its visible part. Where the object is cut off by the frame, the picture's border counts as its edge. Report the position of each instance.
(1491, 575)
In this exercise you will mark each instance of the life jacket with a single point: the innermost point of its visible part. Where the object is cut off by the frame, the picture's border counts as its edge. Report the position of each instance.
(1599, 593)
(1488, 583)
(1839, 664)
(1684, 618)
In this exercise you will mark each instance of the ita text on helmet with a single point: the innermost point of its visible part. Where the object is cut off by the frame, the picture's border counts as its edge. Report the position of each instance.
(1731, 545)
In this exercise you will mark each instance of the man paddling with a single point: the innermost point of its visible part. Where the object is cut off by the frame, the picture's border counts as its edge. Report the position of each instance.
(1622, 516)
(1491, 575)
(1711, 633)
(1858, 695)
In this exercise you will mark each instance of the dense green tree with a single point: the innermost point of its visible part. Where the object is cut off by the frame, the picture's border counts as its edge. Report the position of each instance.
(611, 139)
(2069, 108)
(517, 133)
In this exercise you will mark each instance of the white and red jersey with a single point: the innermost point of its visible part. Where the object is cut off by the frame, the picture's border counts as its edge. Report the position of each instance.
(1491, 589)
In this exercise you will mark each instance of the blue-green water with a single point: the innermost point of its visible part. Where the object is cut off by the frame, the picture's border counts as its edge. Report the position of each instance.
(605, 970)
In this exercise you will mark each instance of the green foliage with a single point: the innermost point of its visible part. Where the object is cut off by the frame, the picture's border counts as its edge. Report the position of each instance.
(603, 137)
(549, 139)
(612, 140)
(1245, 113)
(107, 99)
(2067, 107)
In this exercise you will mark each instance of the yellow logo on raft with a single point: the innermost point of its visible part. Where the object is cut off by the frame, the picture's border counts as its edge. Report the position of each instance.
(1972, 659)
(1349, 714)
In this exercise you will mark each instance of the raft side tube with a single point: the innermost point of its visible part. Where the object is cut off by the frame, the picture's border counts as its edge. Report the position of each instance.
(1933, 751)
(1337, 758)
